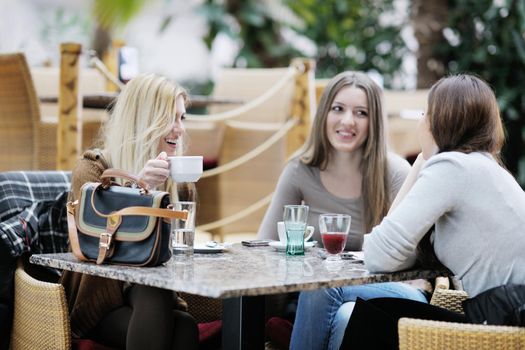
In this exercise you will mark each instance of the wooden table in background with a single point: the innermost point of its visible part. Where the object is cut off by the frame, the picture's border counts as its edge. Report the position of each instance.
(104, 100)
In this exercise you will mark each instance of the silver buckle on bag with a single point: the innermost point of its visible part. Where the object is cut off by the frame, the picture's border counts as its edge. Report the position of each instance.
(105, 240)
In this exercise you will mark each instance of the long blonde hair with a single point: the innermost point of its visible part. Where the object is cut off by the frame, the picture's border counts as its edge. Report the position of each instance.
(316, 151)
(141, 117)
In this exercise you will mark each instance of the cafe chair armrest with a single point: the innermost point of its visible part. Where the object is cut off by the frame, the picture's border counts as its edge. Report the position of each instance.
(425, 334)
(449, 299)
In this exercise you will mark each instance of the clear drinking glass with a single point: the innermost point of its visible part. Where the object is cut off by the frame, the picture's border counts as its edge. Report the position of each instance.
(295, 218)
(334, 231)
(183, 231)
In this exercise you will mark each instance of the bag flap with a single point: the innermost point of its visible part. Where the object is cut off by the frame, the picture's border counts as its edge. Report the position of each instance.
(106, 201)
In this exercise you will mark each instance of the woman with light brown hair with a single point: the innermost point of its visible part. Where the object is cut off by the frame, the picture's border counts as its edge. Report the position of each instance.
(344, 165)
(344, 168)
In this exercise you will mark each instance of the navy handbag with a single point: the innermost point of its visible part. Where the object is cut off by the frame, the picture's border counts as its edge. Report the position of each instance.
(116, 224)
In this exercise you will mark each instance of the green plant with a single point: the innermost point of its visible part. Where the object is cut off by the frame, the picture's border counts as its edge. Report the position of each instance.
(353, 34)
(116, 13)
(256, 25)
(110, 15)
(348, 34)
(486, 37)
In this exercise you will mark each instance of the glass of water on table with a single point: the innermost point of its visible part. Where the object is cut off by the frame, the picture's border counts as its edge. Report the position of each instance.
(183, 231)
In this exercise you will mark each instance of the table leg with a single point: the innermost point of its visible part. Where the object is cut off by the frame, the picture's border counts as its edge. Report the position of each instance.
(243, 323)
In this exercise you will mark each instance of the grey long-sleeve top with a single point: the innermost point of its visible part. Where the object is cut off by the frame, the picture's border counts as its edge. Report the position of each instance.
(300, 182)
(479, 213)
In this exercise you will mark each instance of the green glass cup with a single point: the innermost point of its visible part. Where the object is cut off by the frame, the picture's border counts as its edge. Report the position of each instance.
(295, 221)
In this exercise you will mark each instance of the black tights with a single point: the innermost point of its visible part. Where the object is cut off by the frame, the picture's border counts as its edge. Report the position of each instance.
(148, 322)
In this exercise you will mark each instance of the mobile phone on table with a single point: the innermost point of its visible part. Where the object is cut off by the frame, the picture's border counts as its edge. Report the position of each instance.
(350, 256)
(256, 243)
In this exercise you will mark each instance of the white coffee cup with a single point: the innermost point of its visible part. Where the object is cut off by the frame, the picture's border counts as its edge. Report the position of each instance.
(281, 231)
(185, 168)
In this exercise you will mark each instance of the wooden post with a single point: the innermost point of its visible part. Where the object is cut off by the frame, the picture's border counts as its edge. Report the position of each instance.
(111, 60)
(69, 133)
(303, 105)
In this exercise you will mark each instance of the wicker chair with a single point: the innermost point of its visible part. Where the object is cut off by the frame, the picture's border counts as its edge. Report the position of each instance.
(203, 309)
(47, 83)
(41, 319)
(28, 140)
(19, 113)
(447, 298)
(424, 334)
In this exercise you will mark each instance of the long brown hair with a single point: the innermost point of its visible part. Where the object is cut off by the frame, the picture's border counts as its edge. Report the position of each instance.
(316, 151)
(463, 116)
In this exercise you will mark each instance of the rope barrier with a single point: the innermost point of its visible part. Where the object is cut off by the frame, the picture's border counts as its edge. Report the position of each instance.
(254, 126)
(282, 129)
(291, 73)
(254, 152)
(245, 212)
(237, 216)
(101, 67)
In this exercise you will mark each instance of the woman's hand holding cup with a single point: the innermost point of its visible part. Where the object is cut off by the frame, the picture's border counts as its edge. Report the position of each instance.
(156, 171)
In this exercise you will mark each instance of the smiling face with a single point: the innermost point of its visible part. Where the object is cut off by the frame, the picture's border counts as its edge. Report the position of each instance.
(347, 121)
(172, 140)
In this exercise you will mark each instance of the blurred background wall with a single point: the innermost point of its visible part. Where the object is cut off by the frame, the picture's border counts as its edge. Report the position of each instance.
(405, 44)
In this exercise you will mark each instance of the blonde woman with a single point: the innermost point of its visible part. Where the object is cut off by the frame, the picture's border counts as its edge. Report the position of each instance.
(145, 128)
(344, 168)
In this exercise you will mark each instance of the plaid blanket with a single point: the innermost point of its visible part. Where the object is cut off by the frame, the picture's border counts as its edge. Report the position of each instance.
(33, 211)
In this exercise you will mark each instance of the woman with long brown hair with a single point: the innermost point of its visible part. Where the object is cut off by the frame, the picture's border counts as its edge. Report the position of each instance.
(344, 168)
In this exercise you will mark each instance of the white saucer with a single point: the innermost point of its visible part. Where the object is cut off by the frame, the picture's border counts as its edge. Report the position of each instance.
(204, 249)
(281, 247)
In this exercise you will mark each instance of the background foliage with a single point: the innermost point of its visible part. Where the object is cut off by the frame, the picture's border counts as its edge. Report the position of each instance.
(486, 37)
(353, 34)
(349, 34)
(256, 25)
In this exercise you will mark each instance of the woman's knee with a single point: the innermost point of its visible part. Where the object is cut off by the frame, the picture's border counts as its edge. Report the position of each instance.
(321, 296)
(186, 331)
(339, 325)
(383, 290)
(150, 297)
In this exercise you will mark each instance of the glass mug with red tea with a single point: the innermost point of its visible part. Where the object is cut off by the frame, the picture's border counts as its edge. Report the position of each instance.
(334, 231)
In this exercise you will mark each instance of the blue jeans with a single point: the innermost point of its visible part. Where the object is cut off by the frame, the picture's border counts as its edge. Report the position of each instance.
(322, 315)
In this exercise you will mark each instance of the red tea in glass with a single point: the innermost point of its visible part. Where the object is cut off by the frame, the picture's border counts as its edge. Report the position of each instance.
(334, 242)
(334, 230)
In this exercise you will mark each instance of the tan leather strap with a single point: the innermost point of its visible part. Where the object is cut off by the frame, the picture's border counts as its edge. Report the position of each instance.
(72, 231)
(119, 173)
(146, 211)
(105, 246)
(141, 211)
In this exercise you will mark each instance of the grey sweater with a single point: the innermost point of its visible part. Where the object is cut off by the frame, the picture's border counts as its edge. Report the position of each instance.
(301, 182)
(479, 214)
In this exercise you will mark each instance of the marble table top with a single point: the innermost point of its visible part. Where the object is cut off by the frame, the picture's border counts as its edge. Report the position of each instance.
(238, 271)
